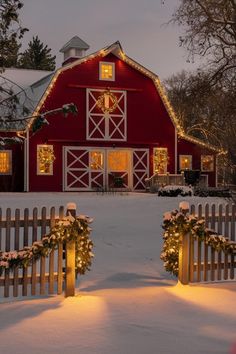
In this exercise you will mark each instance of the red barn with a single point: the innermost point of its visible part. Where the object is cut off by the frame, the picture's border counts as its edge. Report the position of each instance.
(125, 130)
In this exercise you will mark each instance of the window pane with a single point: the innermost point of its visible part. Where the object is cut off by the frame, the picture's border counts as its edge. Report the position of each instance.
(45, 159)
(118, 161)
(5, 162)
(160, 160)
(185, 162)
(207, 163)
(96, 160)
(107, 71)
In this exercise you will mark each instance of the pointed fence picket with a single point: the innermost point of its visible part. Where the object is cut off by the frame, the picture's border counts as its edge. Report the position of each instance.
(200, 262)
(45, 275)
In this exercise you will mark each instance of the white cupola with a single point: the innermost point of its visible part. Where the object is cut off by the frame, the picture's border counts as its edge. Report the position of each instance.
(74, 49)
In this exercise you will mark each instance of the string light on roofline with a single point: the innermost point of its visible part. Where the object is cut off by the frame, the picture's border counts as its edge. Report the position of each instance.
(103, 52)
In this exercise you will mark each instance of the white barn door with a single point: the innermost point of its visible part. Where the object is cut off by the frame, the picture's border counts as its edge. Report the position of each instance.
(140, 168)
(87, 168)
(83, 168)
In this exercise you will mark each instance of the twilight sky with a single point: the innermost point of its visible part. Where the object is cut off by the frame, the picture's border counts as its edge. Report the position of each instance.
(138, 24)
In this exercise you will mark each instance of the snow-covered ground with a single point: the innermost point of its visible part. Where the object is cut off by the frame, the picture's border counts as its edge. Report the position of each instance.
(127, 303)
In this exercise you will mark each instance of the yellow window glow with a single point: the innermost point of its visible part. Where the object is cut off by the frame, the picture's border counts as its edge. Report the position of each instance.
(5, 162)
(160, 160)
(45, 159)
(107, 71)
(207, 163)
(96, 160)
(185, 162)
(118, 161)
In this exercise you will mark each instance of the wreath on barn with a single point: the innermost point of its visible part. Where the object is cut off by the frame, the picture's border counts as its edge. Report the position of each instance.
(178, 222)
(66, 229)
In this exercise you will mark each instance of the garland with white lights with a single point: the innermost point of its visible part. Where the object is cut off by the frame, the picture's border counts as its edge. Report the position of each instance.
(107, 102)
(179, 222)
(65, 230)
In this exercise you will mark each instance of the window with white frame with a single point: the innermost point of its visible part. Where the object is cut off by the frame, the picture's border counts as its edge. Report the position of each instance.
(185, 162)
(207, 163)
(5, 162)
(160, 160)
(45, 159)
(106, 71)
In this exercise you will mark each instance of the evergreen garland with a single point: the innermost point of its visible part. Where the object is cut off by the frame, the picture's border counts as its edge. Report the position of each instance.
(179, 222)
(67, 229)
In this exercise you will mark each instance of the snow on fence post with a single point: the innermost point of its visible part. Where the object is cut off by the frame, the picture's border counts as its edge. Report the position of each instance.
(184, 254)
(70, 258)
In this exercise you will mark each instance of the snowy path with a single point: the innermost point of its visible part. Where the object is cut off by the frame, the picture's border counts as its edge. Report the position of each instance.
(127, 304)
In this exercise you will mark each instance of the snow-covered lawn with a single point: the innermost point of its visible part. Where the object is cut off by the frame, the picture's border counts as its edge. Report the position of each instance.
(127, 303)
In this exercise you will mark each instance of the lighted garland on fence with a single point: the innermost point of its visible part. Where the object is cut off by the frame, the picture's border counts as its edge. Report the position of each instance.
(67, 229)
(179, 222)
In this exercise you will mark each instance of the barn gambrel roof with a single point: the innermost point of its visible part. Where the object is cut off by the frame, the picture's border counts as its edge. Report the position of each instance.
(46, 86)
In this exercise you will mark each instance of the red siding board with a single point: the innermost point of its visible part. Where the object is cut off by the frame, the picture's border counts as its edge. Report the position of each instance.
(188, 148)
(15, 181)
(148, 123)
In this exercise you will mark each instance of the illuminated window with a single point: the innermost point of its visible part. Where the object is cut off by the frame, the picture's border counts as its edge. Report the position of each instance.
(160, 160)
(5, 162)
(96, 160)
(207, 163)
(118, 161)
(185, 162)
(45, 159)
(107, 71)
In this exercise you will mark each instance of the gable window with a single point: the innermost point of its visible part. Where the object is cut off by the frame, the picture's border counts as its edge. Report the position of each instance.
(106, 71)
(45, 159)
(207, 163)
(185, 162)
(5, 162)
(160, 160)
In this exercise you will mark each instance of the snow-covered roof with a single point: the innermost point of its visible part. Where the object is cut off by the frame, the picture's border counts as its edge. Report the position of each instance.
(28, 96)
(74, 42)
(23, 77)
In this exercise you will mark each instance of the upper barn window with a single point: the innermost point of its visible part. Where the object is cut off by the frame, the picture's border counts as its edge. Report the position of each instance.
(106, 71)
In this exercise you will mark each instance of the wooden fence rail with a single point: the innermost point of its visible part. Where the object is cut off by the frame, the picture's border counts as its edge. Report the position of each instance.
(45, 275)
(199, 262)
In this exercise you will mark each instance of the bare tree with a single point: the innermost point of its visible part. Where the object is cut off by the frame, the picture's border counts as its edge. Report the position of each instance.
(210, 32)
(207, 112)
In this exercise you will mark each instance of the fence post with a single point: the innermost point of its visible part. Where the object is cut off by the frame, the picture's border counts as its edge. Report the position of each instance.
(184, 250)
(184, 242)
(70, 258)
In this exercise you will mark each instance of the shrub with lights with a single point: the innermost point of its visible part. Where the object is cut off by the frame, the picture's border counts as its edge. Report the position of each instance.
(179, 222)
(65, 230)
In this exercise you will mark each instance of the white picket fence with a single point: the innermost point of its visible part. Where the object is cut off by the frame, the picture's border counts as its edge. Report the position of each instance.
(46, 275)
(199, 262)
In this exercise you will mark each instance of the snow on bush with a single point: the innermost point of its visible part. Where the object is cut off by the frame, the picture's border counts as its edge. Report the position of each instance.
(174, 191)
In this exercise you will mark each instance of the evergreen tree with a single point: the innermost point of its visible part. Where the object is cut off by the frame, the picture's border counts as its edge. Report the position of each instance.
(10, 31)
(37, 56)
(13, 54)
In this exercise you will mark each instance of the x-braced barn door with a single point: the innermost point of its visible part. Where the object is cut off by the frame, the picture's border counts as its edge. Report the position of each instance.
(119, 168)
(92, 168)
(83, 168)
(140, 168)
(109, 121)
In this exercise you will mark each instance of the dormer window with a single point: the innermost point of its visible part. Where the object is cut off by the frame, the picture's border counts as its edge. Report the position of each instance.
(106, 71)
